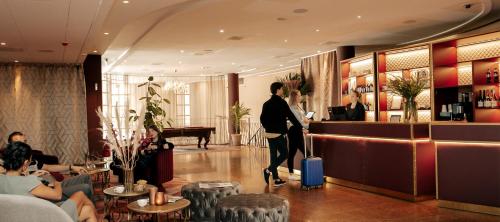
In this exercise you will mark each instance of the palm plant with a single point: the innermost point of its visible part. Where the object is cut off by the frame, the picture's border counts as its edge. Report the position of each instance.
(295, 81)
(239, 111)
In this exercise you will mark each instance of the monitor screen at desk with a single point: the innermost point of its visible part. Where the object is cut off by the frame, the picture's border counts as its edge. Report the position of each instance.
(337, 113)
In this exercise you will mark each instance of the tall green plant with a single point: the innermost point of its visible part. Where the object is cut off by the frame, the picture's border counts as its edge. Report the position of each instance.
(239, 111)
(154, 115)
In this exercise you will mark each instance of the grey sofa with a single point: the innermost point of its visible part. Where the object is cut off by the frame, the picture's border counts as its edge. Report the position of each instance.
(17, 208)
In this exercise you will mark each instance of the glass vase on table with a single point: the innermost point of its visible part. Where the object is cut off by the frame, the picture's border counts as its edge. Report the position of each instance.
(410, 111)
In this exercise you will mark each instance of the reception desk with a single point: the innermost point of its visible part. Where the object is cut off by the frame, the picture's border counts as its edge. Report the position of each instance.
(468, 166)
(393, 159)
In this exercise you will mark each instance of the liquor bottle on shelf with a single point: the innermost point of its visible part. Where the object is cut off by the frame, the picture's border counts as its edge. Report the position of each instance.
(495, 75)
(494, 100)
(487, 101)
(480, 103)
(488, 76)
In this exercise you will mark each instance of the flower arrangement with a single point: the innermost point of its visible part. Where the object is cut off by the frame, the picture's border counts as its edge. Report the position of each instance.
(408, 89)
(124, 146)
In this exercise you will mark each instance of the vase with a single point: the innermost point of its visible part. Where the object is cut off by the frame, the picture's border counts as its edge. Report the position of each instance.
(410, 112)
(128, 180)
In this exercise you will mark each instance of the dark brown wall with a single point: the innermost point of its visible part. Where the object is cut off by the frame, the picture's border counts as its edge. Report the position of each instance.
(341, 53)
(93, 78)
(233, 96)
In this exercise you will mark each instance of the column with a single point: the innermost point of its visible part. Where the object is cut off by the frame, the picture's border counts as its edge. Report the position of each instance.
(93, 83)
(233, 96)
(342, 53)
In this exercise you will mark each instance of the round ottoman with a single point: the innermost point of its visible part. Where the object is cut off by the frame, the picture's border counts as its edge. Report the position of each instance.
(204, 200)
(252, 208)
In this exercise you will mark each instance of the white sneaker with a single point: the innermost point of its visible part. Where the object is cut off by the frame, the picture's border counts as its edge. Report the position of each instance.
(293, 177)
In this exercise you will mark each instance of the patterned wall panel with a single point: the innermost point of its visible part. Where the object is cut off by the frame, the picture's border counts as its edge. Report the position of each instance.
(408, 60)
(47, 103)
(423, 115)
(361, 67)
(478, 51)
(465, 74)
(424, 99)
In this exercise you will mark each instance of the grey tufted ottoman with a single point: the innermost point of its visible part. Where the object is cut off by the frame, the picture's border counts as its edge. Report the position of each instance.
(252, 208)
(203, 201)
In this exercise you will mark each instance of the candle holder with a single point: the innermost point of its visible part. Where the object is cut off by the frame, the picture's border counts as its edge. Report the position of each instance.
(160, 198)
(152, 195)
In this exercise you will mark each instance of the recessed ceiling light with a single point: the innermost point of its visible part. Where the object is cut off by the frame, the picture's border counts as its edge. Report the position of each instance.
(281, 65)
(182, 51)
(125, 2)
(16, 60)
(319, 51)
(3, 43)
(286, 40)
(180, 62)
(300, 10)
(106, 33)
(221, 31)
(233, 63)
(359, 16)
(317, 30)
(95, 51)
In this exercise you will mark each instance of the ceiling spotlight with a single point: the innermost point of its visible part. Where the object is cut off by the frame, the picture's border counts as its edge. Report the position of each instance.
(281, 65)
(125, 2)
(182, 51)
(106, 33)
(221, 31)
(319, 51)
(16, 61)
(317, 30)
(180, 62)
(3, 43)
(359, 16)
(95, 51)
(233, 63)
(286, 40)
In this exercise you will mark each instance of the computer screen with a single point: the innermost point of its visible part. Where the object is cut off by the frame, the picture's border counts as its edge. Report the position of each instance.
(337, 113)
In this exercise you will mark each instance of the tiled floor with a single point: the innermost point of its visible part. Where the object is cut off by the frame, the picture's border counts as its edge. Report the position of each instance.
(332, 203)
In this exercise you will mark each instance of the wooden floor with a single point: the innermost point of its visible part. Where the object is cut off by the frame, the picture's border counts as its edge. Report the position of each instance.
(332, 203)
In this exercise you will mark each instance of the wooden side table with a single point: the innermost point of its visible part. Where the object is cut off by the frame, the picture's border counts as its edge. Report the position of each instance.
(111, 198)
(102, 175)
(180, 205)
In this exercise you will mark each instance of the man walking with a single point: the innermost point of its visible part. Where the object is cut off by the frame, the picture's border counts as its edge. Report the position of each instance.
(275, 112)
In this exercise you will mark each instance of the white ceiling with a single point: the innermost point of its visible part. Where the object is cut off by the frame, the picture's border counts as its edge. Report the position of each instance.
(148, 36)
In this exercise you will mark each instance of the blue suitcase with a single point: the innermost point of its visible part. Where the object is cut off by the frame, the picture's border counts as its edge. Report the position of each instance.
(311, 175)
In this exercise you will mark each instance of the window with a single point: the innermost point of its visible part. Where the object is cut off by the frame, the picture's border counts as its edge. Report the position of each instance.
(114, 98)
(183, 106)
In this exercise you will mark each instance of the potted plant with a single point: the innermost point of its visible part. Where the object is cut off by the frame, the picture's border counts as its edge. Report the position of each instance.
(154, 114)
(295, 81)
(238, 111)
(408, 89)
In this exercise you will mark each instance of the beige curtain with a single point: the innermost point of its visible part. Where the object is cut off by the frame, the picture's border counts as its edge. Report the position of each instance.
(47, 103)
(319, 72)
(209, 106)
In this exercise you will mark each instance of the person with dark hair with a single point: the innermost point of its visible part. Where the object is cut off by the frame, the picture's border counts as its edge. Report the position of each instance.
(355, 110)
(82, 182)
(17, 157)
(273, 118)
(150, 146)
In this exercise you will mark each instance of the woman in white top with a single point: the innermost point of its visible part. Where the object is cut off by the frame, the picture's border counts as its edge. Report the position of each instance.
(295, 134)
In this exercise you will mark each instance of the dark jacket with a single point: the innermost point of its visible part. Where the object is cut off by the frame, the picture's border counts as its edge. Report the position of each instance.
(356, 114)
(275, 112)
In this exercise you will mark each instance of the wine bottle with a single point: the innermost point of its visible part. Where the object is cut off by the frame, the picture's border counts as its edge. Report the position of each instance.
(487, 101)
(488, 76)
(495, 75)
(494, 103)
(480, 103)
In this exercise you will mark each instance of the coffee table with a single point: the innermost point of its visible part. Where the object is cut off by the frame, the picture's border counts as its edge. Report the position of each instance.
(101, 174)
(180, 205)
(111, 199)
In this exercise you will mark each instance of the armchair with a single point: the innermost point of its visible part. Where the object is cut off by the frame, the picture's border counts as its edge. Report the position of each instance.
(17, 208)
(162, 171)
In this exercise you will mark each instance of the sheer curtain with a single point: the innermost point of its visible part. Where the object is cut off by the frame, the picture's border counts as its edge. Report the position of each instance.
(319, 72)
(47, 103)
(209, 106)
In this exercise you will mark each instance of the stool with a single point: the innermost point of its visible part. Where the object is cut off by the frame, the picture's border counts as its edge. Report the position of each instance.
(252, 208)
(203, 201)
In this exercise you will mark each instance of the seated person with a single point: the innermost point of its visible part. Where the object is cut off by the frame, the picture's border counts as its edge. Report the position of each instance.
(17, 158)
(70, 185)
(147, 159)
(355, 110)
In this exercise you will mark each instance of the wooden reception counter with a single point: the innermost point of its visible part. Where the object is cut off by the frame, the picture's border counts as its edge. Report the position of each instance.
(468, 166)
(394, 159)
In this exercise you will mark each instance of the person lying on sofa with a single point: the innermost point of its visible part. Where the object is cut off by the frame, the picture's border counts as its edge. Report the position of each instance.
(17, 157)
(70, 185)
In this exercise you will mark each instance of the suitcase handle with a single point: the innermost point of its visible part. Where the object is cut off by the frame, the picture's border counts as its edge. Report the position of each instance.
(305, 146)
